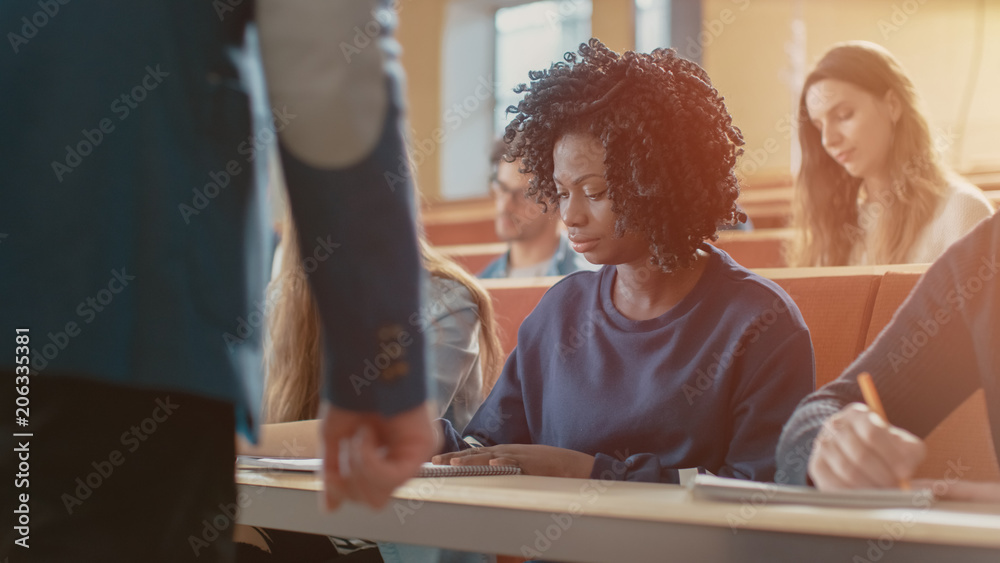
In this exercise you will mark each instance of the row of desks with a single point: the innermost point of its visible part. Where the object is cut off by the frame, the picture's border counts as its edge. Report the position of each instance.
(601, 521)
(471, 221)
(594, 521)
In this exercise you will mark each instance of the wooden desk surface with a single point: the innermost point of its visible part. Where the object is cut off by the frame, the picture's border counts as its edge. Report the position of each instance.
(583, 520)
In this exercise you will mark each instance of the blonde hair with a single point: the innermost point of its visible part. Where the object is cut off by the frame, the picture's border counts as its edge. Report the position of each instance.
(825, 211)
(292, 350)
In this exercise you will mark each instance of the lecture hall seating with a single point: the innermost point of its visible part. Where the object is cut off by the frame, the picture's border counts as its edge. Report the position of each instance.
(474, 257)
(754, 249)
(468, 221)
(836, 306)
(768, 203)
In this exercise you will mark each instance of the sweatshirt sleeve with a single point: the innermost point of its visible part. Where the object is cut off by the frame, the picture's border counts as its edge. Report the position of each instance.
(645, 468)
(764, 403)
(928, 359)
(500, 419)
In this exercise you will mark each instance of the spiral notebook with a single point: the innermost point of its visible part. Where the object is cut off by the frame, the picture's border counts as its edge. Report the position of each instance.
(311, 465)
(710, 487)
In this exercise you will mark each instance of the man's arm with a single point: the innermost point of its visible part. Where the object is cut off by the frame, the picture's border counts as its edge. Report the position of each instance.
(351, 196)
(350, 193)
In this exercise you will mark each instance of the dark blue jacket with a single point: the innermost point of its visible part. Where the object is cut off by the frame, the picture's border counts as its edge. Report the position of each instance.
(133, 225)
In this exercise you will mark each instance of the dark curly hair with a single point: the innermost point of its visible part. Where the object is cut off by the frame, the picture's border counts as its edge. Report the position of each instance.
(670, 144)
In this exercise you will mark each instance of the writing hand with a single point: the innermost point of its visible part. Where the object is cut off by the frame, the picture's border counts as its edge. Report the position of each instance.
(856, 449)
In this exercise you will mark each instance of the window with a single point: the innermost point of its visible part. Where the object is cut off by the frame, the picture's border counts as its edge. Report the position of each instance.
(531, 37)
(489, 47)
(652, 24)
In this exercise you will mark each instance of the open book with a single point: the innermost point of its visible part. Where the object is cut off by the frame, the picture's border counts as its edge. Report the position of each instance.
(315, 464)
(709, 487)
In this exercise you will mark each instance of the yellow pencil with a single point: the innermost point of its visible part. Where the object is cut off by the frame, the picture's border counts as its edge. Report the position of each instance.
(875, 404)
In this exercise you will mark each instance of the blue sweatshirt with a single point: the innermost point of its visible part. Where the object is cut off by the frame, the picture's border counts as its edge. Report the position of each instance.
(708, 384)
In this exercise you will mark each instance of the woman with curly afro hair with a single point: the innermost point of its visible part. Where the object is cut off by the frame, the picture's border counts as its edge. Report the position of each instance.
(671, 356)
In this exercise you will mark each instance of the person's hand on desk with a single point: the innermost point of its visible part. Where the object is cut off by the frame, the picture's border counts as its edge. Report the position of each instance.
(856, 449)
(533, 459)
(366, 456)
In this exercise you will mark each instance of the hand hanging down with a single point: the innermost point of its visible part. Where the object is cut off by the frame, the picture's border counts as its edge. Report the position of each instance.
(533, 459)
(366, 456)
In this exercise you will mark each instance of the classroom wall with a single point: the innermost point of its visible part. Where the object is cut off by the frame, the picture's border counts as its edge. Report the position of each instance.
(759, 51)
(613, 22)
(421, 30)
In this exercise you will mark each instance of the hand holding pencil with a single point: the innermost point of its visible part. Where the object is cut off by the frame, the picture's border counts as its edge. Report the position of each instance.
(858, 448)
(874, 402)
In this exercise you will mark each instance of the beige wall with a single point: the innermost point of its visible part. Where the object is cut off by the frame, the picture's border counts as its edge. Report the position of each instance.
(613, 22)
(421, 29)
(751, 50)
(756, 60)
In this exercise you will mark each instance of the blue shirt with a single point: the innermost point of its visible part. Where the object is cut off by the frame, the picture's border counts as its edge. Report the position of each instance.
(707, 384)
(564, 261)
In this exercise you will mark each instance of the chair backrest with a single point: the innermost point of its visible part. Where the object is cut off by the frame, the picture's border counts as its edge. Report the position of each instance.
(894, 289)
(474, 257)
(836, 304)
(762, 248)
(464, 232)
(460, 222)
(513, 300)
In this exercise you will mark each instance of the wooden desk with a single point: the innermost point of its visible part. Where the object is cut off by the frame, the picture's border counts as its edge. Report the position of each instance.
(594, 521)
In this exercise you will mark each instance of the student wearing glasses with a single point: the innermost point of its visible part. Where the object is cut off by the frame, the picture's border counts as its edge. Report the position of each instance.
(538, 247)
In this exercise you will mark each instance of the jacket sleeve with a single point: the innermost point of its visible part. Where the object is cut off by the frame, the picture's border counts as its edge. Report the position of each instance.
(351, 195)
